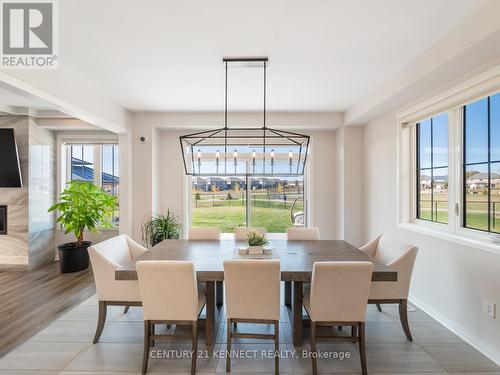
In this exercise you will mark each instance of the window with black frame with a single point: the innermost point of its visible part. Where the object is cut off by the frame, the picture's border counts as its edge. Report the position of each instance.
(432, 169)
(481, 167)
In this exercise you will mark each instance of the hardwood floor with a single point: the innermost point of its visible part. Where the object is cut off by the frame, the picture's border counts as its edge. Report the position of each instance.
(31, 300)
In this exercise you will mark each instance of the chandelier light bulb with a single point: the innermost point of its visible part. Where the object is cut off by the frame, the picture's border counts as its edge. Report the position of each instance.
(290, 154)
(198, 154)
(235, 153)
(217, 154)
(272, 153)
(254, 154)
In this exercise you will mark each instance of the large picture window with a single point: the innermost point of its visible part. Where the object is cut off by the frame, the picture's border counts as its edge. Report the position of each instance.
(227, 202)
(481, 167)
(432, 169)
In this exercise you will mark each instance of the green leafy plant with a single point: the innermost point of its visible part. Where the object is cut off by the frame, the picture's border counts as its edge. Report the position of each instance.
(82, 205)
(255, 239)
(161, 227)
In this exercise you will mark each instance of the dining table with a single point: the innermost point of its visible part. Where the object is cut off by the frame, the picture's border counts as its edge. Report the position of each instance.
(296, 262)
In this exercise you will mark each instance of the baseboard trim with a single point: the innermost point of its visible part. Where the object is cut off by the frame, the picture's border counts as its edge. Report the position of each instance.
(474, 341)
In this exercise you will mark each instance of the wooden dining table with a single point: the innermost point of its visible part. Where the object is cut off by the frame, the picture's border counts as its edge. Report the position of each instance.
(296, 259)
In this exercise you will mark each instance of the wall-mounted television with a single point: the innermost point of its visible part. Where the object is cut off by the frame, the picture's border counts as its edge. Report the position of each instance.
(10, 170)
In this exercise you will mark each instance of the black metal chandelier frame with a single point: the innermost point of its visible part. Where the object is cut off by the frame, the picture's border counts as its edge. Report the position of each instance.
(264, 138)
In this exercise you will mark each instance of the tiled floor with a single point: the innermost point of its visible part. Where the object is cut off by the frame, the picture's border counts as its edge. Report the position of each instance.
(65, 348)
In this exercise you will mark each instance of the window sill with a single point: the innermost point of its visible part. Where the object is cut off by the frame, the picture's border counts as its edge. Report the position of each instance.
(486, 245)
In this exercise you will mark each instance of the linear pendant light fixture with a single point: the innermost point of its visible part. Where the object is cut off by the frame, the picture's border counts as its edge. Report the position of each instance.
(245, 151)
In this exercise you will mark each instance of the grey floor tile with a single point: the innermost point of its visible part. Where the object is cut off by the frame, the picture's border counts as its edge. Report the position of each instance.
(460, 358)
(422, 332)
(67, 331)
(91, 301)
(133, 315)
(401, 357)
(254, 358)
(41, 356)
(89, 313)
(335, 358)
(175, 358)
(108, 357)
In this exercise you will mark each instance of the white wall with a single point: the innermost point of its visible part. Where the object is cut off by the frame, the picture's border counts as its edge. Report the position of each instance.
(450, 281)
(157, 182)
(172, 185)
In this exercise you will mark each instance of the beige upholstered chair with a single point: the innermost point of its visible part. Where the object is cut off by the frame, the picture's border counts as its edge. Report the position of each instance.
(302, 234)
(204, 233)
(400, 257)
(106, 257)
(208, 233)
(252, 296)
(169, 295)
(338, 296)
(298, 234)
(241, 233)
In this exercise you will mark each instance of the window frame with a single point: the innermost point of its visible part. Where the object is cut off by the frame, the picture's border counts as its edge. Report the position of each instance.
(64, 159)
(419, 169)
(489, 162)
(452, 101)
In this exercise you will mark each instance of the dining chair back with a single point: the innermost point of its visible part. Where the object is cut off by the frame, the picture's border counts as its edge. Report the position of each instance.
(241, 233)
(204, 233)
(252, 296)
(339, 291)
(302, 234)
(168, 290)
(337, 297)
(170, 295)
(106, 257)
(252, 288)
(400, 257)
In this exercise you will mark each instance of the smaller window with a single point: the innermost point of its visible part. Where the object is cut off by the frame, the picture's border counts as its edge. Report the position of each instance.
(432, 169)
(98, 164)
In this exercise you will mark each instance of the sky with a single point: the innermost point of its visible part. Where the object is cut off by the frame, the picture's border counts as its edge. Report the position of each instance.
(476, 138)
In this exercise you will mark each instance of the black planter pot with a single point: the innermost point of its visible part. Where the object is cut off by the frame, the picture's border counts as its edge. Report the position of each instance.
(73, 258)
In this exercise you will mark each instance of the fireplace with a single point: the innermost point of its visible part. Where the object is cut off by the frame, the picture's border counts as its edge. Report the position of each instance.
(3, 219)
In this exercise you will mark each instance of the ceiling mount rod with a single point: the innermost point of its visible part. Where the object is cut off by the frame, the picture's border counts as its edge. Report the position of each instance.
(245, 59)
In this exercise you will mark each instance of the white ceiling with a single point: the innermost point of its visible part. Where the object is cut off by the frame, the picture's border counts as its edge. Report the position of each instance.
(324, 55)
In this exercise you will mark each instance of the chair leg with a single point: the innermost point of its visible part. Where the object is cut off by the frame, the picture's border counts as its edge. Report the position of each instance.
(126, 309)
(276, 347)
(362, 352)
(145, 356)
(403, 316)
(101, 320)
(228, 354)
(379, 308)
(313, 348)
(195, 348)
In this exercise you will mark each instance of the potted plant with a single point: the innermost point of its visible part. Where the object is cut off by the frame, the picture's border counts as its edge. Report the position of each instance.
(160, 227)
(256, 243)
(82, 206)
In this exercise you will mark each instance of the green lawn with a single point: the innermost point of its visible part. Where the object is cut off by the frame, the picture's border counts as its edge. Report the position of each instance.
(267, 211)
(477, 210)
